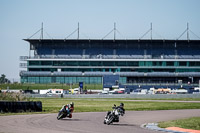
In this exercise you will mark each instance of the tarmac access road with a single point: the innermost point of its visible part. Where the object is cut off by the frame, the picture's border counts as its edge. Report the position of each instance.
(90, 122)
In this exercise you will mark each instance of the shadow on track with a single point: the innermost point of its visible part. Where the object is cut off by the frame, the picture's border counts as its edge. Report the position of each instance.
(72, 120)
(123, 125)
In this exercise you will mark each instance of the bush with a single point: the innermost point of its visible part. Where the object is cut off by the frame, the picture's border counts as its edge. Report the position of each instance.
(11, 96)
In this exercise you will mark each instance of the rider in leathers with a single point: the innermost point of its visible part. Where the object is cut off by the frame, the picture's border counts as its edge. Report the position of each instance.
(69, 108)
(121, 107)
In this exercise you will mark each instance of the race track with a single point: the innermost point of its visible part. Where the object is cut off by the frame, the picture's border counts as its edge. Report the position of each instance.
(90, 122)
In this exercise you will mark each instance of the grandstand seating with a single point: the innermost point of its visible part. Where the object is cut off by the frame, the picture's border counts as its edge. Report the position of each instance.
(119, 53)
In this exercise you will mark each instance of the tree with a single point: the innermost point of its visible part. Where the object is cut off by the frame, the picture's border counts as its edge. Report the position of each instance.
(3, 79)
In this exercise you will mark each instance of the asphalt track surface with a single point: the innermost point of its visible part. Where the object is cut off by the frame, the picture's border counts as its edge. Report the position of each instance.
(89, 122)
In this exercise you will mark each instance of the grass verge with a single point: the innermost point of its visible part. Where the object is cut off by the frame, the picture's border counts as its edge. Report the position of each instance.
(27, 86)
(52, 105)
(189, 123)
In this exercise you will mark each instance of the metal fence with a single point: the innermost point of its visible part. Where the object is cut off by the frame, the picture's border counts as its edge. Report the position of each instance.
(137, 96)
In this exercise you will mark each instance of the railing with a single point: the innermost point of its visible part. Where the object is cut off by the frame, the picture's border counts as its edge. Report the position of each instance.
(24, 58)
(161, 74)
(23, 65)
(161, 84)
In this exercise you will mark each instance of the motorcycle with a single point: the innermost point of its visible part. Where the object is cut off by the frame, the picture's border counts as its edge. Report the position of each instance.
(64, 112)
(113, 116)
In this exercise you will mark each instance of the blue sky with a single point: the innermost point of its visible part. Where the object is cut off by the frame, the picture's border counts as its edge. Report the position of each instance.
(19, 19)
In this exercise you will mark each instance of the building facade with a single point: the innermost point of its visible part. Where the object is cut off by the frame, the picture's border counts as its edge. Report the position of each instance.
(135, 62)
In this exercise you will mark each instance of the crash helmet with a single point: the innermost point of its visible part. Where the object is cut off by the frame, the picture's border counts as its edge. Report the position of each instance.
(121, 104)
(72, 104)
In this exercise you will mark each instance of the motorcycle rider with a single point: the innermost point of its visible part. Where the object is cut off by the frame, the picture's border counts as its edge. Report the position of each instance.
(69, 108)
(122, 110)
(121, 106)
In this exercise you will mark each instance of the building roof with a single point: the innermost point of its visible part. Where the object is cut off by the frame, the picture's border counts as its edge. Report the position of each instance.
(32, 41)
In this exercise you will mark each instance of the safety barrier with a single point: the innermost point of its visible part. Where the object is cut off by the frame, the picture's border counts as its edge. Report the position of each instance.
(138, 96)
(7, 106)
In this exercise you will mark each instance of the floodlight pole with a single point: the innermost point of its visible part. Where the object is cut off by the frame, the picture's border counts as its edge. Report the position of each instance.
(78, 30)
(151, 31)
(188, 31)
(114, 31)
(42, 31)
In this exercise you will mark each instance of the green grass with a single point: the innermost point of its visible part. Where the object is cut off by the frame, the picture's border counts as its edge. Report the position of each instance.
(189, 123)
(48, 86)
(52, 105)
(173, 99)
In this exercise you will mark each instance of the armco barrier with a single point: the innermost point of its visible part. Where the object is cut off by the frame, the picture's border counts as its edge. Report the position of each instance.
(138, 96)
(6, 106)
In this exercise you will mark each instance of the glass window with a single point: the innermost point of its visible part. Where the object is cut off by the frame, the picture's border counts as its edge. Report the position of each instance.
(60, 79)
(169, 63)
(70, 80)
(120, 63)
(72, 63)
(45, 79)
(80, 79)
(181, 63)
(97, 70)
(87, 80)
(46, 63)
(141, 63)
(108, 63)
(122, 80)
(84, 63)
(148, 63)
(24, 79)
(34, 63)
(132, 63)
(96, 63)
(194, 63)
(157, 63)
(59, 63)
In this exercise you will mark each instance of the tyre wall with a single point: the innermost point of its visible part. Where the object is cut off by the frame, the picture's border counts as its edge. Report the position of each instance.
(7, 106)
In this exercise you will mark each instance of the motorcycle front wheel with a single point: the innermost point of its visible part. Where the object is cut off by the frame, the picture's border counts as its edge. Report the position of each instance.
(110, 119)
(60, 115)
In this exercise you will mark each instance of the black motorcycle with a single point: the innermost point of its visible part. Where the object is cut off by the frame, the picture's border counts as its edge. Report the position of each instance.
(113, 116)
(64, 112)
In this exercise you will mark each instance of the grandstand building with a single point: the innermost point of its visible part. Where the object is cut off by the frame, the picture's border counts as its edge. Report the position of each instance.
(135, 63)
